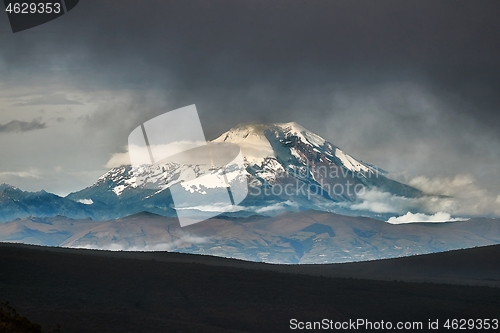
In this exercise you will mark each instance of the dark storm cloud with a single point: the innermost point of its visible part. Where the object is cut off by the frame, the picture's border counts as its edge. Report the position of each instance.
(16, 126)
(274, 55)
(235, 42)
(403, 84)
(269, 61)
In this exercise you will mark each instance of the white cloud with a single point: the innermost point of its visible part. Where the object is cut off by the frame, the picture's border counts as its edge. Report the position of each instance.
(141, 155)
(118, 159)
(276, 207)
(383, 202)
(184, 240)
(220, 207)
(419, 217)
(31, 173)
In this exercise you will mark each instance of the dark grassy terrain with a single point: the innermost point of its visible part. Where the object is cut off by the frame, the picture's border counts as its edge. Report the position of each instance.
(95, 291)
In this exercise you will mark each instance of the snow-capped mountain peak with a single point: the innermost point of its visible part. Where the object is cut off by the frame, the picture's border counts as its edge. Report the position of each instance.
(254, 141)
(254, 133)
(314, 172)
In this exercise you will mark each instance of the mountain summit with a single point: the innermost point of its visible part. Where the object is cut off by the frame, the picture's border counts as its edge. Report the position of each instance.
(288, 148)
(288, 168)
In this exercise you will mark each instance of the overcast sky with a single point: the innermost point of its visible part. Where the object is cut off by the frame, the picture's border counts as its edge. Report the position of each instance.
(411, 86)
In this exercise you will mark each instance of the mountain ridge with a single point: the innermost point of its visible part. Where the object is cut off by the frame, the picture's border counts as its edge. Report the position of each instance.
(306, 237)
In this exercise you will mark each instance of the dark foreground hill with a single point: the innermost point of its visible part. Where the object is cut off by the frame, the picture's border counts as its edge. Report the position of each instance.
(98, 291)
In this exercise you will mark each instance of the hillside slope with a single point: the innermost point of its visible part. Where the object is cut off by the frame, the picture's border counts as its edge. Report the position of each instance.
(98, 291)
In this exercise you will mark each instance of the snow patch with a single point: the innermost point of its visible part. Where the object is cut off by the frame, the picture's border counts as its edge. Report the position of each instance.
(303, 134)
(351, 163)
(119, 189)
(86, 201)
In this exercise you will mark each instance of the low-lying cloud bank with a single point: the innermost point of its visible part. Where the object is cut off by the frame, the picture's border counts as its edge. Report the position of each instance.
(444, 199)
(464, 195)
(181, 240)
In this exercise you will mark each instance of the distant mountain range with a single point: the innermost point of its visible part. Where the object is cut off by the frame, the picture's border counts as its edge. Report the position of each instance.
(15, 203)
(295, 237)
